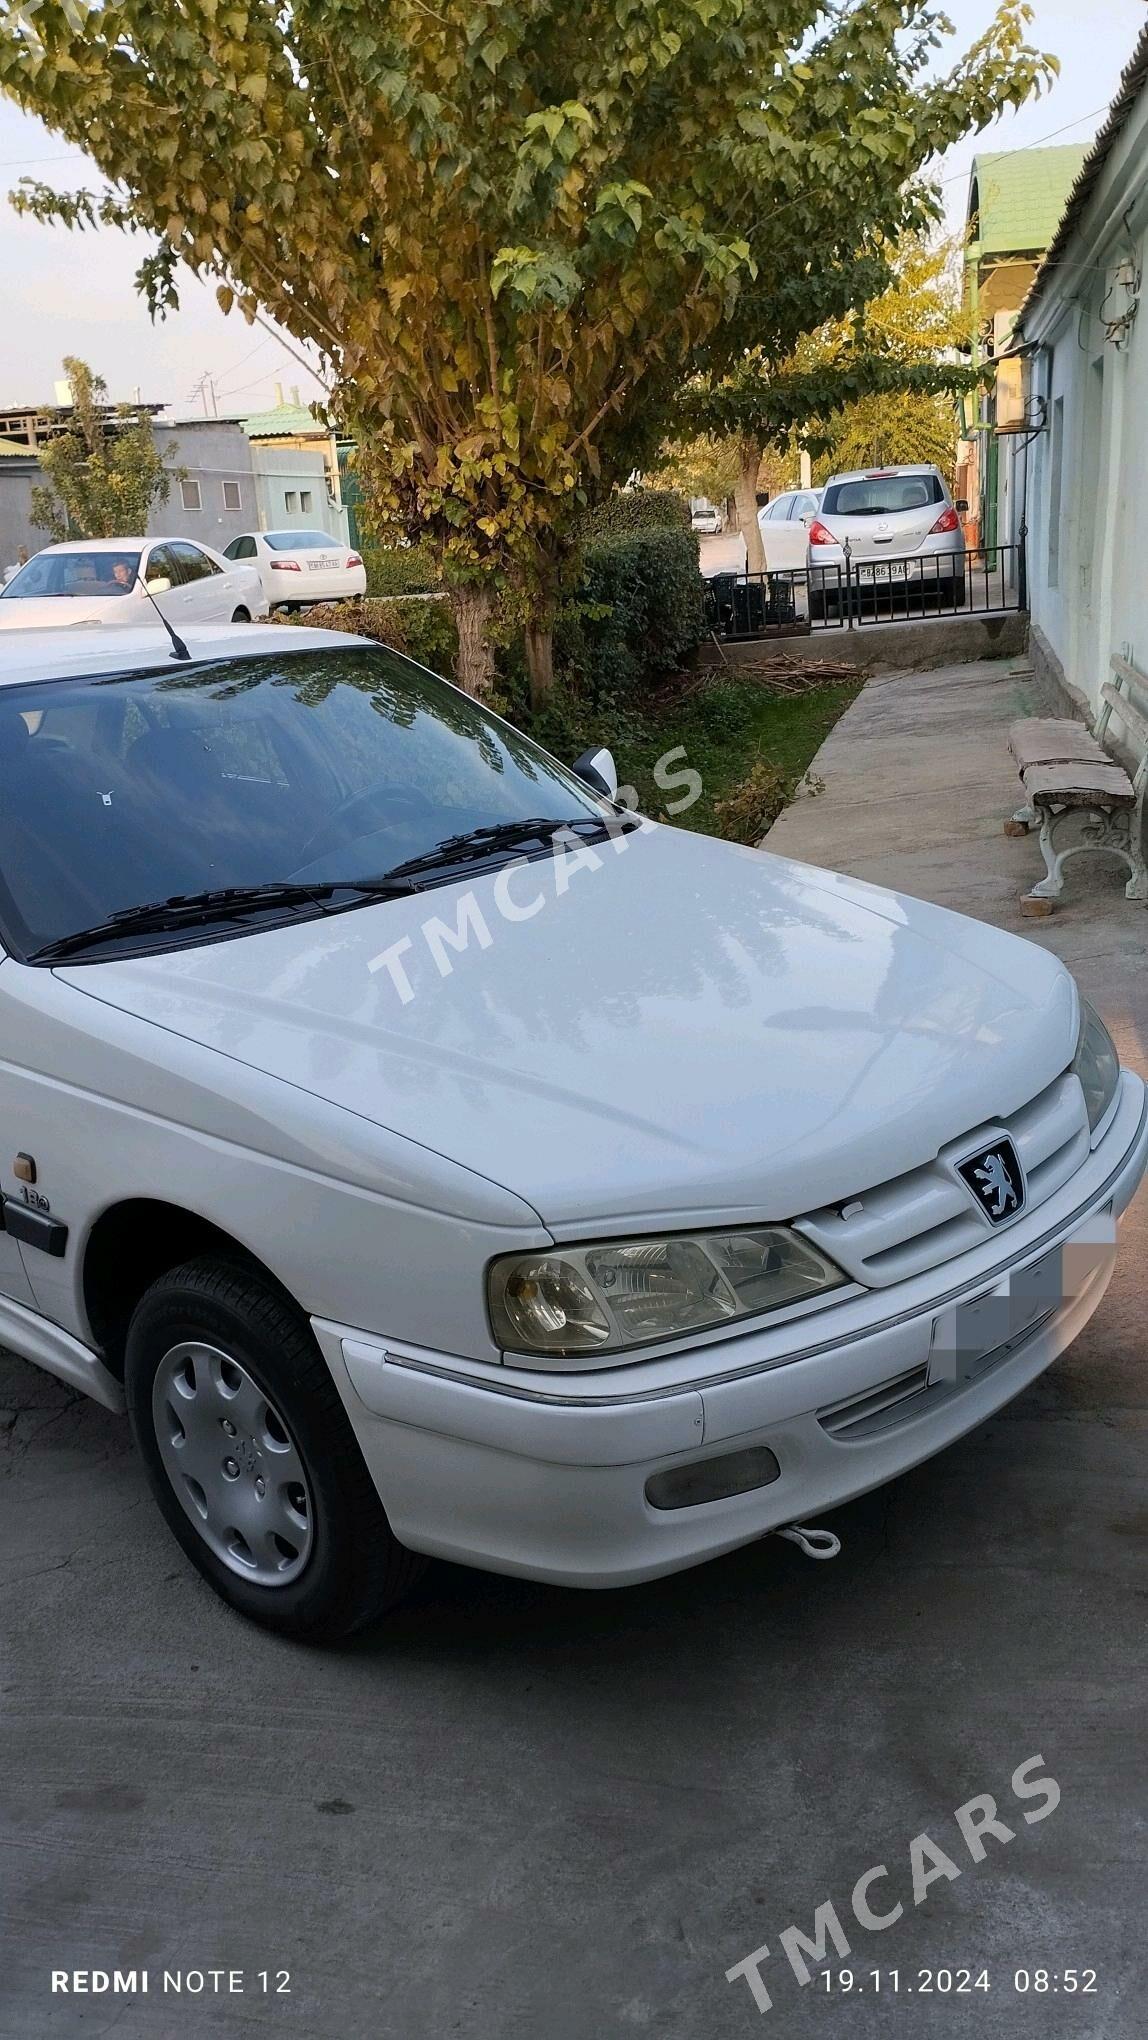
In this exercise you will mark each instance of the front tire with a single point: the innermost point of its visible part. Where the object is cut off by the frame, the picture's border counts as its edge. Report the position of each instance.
(251, 1458)
(241, 616)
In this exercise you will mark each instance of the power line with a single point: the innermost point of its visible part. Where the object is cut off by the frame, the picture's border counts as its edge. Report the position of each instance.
(960, 175)
(33, 162)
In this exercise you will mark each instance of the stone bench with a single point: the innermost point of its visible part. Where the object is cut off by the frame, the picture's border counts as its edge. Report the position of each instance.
(1082, 798)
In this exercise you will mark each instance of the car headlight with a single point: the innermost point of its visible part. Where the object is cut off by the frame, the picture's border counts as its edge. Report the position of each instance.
(617, 1293)
(1096, 1063)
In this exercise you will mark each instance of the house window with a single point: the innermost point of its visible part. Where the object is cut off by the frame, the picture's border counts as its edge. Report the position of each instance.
(304, 499)
(290, 499)
(1054, 487)
(232, 499)
(190, 496)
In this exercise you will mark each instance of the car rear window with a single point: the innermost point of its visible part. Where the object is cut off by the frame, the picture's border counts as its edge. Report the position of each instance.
(882, 495)
(299, 541)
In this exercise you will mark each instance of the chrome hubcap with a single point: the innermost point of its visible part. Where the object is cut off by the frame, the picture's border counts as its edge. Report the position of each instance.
(233, 1464)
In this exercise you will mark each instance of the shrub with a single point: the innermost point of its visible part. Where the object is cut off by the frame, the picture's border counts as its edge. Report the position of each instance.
(422, 628)
(400, 569)
(638, 613)
(746, 813)
(630, 510)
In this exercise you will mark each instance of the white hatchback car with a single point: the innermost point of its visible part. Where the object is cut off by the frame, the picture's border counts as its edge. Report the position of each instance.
(98, 580)
(437, 1158)
(297, 567)
(903, 531)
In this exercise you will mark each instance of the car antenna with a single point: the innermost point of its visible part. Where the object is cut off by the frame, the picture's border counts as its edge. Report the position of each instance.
(179, 649)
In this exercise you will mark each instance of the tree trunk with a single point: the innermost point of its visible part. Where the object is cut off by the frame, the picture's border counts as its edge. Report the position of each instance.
(474, 667)
(540, 661)
(745, 496)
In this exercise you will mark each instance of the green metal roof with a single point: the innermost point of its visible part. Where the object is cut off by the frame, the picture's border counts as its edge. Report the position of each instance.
(1020, 195)
(285, 418)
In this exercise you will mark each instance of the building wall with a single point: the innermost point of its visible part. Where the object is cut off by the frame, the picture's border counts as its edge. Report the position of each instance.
(1088, 585)
(17, 480)
(231, 485)
(293, 493)
(220, 474)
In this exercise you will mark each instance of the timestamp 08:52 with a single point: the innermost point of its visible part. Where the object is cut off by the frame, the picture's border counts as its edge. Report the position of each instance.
(957, 1982)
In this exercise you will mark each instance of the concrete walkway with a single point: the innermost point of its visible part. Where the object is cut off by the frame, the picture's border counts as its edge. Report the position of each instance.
(918, 780)
(523, 1814)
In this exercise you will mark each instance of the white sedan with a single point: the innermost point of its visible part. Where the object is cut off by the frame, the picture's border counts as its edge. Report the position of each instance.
(124, 580)
(295, 567)
(492, 1269)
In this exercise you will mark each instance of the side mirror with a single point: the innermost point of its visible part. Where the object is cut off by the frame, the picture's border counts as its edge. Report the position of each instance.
(598, 771)
(158, 584)
(961, 506)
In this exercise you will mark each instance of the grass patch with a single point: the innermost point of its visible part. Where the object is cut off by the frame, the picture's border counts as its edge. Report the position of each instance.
(750, 744)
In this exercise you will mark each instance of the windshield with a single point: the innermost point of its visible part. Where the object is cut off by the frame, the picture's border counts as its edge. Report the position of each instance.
(881, 495)
(299, 541)
(75, 573)
(311, 766)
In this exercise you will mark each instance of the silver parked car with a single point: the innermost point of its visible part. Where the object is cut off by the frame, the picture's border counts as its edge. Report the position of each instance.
(903, 528)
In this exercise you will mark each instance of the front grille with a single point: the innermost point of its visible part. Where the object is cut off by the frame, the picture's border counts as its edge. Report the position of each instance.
(908, 1395)
(892, 1403)
(919, 1220)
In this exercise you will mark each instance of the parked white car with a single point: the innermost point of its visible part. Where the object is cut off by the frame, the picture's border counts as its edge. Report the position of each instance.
(325, 1154)
(706, 520)
(784, 524)
(903, 530)
(296, 567)
(98, 580)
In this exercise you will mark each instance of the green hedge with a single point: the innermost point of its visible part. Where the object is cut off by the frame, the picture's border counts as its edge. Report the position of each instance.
(631, 510)
(424, 629)
(400, 569)
(638, 614)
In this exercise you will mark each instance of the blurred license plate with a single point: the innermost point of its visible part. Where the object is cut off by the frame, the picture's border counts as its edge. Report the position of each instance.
(967, 1338)
(321, 564)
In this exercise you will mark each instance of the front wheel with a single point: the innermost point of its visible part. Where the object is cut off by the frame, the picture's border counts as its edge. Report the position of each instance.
(241, 616)
(251, 1457)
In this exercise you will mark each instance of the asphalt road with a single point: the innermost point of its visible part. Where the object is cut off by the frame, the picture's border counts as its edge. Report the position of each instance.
(524, 1814)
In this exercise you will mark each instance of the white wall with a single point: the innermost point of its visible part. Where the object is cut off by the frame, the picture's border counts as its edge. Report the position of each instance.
(285, 476)
(1088, 469)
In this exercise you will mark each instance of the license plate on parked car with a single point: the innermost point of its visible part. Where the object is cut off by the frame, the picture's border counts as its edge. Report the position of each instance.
(971, 1336)
(885, 570)
(965, 1339)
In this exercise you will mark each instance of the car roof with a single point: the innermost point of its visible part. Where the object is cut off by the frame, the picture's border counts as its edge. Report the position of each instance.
(96, 545)
(872, 474)
(116, 545)
(73, 654)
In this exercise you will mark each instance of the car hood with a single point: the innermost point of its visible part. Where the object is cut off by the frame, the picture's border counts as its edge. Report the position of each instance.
(55, 612)
(683, 1028)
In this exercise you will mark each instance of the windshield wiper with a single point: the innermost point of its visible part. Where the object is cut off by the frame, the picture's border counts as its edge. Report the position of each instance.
(184, 910)
(484, 842)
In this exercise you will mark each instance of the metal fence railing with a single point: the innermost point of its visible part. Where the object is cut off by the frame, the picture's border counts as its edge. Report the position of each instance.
(981, 581)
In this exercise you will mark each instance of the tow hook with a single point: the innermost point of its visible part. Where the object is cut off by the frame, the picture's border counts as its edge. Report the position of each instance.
(814, 1543)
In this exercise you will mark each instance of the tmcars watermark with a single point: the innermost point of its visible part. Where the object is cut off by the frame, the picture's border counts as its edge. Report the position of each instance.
(978, 1822)
(569, 854)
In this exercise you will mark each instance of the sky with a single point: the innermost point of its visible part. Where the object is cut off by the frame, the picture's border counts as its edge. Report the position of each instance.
(67, 294)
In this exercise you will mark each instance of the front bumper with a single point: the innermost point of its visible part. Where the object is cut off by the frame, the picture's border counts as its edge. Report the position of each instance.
(545, 1475)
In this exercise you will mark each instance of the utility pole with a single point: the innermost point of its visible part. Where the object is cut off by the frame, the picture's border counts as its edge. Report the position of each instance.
(205, 388)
